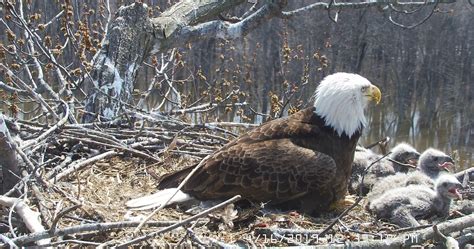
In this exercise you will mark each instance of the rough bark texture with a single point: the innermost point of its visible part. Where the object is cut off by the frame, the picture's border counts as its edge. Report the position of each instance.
(418, 237)
(8, 158)
(131, 37)
(125, 47)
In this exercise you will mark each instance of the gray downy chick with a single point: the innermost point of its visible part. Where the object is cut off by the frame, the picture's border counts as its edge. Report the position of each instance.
(404, 206)
(406, 154)
(430, 164)
(363, 158)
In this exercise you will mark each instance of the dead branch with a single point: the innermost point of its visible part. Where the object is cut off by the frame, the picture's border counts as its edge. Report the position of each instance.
(46, 134)
(418, 237)
(203, 161)
(8, 160)
(29, 217)
(184, 222)
(76, 166)
(468, 171)
(355, 5)
(95, 227)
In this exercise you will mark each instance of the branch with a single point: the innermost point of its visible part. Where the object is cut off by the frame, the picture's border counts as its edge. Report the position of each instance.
(35, 95)
(11, 89)
(184, 222)
(468, 171)
(29, 217)
(46, 134)
(186, 179)
(359, 5)
(9, 159)
(418, 237)
(186, 13)
(95, 227)
(225, 30)
(76, 166)
(418, 23)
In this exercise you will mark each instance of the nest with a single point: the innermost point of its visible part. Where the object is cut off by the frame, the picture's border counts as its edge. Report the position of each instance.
(88, 173)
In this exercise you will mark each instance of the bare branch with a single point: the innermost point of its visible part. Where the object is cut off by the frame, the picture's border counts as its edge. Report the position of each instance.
(11, 89)
(225, 30)
(357, 5)
(184, 222)
(99, 227)
(417, 237)
(418, 23)
(30, 218)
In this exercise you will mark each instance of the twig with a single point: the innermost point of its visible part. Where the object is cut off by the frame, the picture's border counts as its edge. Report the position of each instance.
(96, 227)
(417, 237)
(8, 241)
(123, 147)
(401, 164)
(408, 229)
(383, 140)
(29, 217)
(48, 132)
(72, 241)
(60, 215)
(339, 217)
(361, 186)
(175, 192)
(195, 238)
(76, 166)
(285, 231)
(220, 244)
(184, 222)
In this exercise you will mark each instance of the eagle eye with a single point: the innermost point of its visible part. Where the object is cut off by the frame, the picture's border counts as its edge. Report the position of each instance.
(364, 88)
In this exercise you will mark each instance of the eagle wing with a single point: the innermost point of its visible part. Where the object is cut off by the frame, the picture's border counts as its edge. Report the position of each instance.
(276, 169)
(275, 161)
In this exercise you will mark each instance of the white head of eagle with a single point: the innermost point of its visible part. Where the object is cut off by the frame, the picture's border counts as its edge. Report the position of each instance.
(341, 99)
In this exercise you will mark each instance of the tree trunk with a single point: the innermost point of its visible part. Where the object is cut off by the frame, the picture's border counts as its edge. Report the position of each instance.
(130, 39)
(8, 158)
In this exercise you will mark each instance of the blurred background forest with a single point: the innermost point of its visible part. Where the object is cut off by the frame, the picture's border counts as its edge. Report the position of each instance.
(425, 73)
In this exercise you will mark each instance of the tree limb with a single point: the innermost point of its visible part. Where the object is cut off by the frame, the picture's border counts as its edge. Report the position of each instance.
(418, 237)
(29, 217)
(184, 222)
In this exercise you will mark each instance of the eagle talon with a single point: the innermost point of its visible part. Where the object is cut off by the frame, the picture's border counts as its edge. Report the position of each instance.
(343, 204)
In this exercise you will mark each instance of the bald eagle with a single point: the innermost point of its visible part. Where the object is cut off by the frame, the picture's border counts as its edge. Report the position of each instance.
(302, 161)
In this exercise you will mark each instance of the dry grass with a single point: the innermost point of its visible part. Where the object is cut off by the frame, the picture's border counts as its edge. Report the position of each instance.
(104, 187)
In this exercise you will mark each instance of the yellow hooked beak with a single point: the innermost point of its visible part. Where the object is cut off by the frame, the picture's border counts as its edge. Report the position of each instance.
(374, 94)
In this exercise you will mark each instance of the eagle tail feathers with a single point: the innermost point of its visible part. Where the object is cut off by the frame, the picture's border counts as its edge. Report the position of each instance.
(158, 199)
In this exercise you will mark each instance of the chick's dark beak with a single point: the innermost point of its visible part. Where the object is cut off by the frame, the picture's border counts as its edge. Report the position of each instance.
(413, 158)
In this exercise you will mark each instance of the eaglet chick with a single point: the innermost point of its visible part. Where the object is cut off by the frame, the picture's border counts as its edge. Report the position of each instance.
(404, 206)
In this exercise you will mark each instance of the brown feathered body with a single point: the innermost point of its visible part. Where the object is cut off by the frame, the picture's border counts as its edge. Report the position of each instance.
(297, 161)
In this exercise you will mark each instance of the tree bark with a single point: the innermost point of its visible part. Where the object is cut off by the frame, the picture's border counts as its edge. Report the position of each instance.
(131, 38)
(417, 237)
(8, 158)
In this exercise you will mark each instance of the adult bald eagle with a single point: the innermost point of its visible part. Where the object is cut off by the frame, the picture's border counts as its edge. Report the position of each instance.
(302, 161)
